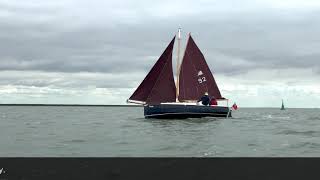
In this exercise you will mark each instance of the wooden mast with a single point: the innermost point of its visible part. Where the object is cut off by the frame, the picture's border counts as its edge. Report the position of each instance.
(178, 64)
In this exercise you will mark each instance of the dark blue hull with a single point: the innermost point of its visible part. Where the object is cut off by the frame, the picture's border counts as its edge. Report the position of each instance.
(173, 111)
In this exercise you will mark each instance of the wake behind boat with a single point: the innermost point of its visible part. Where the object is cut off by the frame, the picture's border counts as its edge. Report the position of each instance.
(162, 98)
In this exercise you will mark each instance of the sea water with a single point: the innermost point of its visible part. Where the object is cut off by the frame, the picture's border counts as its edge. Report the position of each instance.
(82, 131)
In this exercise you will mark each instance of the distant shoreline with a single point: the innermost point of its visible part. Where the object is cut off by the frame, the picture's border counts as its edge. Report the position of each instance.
(136, 105)
(95, 105)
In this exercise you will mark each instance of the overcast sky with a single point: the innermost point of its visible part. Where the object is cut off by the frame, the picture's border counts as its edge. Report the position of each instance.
(98, 52)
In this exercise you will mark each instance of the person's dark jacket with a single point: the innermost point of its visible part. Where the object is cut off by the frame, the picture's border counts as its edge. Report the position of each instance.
(205, 100)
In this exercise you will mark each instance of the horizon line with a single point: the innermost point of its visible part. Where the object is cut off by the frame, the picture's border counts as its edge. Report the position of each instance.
(117, 105)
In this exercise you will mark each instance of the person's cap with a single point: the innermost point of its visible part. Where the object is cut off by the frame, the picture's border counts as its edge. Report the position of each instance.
(206, 93)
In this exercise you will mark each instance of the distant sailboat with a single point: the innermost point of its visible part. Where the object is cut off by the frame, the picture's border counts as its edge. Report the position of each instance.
(282, 106)
(162, 98)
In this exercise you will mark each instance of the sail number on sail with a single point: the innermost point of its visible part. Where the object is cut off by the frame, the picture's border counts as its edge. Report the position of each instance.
(201, 79)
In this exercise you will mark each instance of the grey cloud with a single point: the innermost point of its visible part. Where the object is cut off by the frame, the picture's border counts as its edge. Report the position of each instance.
(266, 39)
(69, 80)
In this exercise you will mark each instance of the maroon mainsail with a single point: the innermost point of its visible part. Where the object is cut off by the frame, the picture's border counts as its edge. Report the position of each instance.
(195, 77)
(158, 86)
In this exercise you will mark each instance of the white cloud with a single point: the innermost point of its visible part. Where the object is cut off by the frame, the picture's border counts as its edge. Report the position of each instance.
(296, 4)
(266, 87)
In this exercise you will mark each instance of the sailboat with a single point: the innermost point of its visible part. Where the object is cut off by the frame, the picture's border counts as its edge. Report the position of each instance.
(162, 97)
(282, 106)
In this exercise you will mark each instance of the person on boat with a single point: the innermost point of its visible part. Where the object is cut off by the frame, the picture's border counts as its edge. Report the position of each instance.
(213, 101)
(205, 99)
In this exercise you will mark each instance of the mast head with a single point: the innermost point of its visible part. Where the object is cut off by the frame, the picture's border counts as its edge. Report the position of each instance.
(179, 33)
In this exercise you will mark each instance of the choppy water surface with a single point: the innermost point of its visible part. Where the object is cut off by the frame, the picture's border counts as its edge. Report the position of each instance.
(62, 131)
